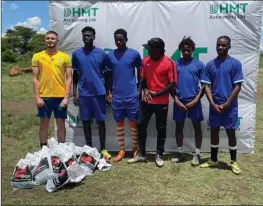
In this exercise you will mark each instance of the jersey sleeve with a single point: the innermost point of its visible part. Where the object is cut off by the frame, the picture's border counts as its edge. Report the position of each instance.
(138, 60)
(34, 61)
(201, 70)
(68, 63)
(206, 77)
(237, 75)
(74, 62)
(172, 73)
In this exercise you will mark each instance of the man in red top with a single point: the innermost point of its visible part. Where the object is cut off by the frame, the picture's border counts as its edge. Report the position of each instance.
(158, 78)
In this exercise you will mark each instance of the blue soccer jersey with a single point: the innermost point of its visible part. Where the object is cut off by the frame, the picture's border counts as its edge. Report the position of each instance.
(189, 75)
(123, 64)
(90, 66)
(222, 76)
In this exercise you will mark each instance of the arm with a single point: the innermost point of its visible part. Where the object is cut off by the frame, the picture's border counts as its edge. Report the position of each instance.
(35, 72)
(232, 96)
(167, 89)
(75, 83)
(108, 82)
(68, 81)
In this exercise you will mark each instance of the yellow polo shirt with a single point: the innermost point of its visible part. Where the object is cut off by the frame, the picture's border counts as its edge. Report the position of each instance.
(52, 70)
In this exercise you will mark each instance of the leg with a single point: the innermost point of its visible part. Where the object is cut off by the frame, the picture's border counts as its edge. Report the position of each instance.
(198, 143)
(214, 143)
(131, 106)
(99, 113)
(119, 116)
(44, 113)
(87, 132)
(85, 108)
(60, 116)
(161, 120)
(145, 114)
(43, 131)
(120, 134)
(232, 142)
(61, 133)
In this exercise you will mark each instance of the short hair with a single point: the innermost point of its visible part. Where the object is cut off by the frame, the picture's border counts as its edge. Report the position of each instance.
(51, 32)
(186, 41)
(121, 31)
(88, 28)
(226, 38)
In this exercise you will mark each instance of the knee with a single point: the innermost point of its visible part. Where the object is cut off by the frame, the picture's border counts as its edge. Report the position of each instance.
(161, 129)
(101, 123)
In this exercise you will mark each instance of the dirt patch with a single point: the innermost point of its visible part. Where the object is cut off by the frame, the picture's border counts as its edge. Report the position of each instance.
(259, 91)
(19, 107)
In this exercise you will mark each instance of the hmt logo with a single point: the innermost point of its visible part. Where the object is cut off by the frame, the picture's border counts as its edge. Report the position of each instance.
(80, 14)
(228, 11)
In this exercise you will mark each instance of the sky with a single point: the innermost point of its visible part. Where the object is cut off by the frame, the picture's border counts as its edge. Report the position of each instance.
(21, 13)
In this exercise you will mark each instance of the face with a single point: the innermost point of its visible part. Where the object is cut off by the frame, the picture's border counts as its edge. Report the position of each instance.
(88, 37)
(222, 47)
(187, 51)
(155, 53)
(51, 40)
(120, 41)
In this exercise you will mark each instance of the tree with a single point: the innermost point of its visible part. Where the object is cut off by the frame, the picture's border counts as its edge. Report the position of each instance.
(37, 43)
(21, 36)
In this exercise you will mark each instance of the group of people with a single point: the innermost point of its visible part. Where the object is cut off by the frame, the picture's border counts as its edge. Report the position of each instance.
(100, 77)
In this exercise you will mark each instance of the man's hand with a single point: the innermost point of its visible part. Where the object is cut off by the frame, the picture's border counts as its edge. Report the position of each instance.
(76, 101)
(146, 95)
(223, 107)
(40, 102)
(109, 97)
(191, 104)
(216, 108)
(152, 93)
(181, 106)
(64, 102)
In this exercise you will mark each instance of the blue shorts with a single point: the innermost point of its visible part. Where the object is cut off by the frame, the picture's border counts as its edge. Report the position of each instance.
(93, 107)
(125, 107)
(195, 113)
(228, 119)
(52, 104)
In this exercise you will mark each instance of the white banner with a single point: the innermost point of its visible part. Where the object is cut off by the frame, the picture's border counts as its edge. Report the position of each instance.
(204, 21)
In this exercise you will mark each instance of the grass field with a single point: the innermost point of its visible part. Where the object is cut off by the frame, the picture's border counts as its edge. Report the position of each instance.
(124, 184)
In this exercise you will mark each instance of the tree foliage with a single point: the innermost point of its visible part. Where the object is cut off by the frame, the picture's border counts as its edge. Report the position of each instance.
(20, 43)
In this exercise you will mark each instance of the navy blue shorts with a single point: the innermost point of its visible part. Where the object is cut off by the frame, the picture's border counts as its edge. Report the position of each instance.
(228, 119)
(92, 107)
(125, 107)
(195, 113)
(52, 104)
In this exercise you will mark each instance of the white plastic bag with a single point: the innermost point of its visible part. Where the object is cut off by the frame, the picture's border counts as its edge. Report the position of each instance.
(89, 159)
(43, 171)
(22, 176)
(103, 165)
(52, 142)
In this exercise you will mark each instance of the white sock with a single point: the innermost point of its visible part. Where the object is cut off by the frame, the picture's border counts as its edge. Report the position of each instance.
(180, 149)
(197, 151)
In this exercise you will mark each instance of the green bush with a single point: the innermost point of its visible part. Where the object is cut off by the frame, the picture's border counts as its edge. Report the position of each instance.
(9, 56)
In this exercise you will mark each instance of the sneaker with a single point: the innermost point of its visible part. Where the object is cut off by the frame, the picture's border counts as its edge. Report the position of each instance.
(159, 160)
(196, 160)
(137, 158)
(120, 156)
(208, 164)
(178, 158)
(234, 168)
(106, 155)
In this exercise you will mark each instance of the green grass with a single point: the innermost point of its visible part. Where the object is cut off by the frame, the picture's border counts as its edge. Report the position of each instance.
(129, 184)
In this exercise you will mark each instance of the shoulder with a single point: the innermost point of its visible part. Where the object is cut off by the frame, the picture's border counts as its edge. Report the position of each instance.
(167, 61)
(134, 52)
(146, 60)
(234, 61)
(63, 54)
(36, 55)
(99, 50)
(76, 51)
(198, 63)
(211, 62)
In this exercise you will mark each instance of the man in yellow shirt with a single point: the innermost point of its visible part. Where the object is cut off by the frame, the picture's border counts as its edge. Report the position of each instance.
(52, 77)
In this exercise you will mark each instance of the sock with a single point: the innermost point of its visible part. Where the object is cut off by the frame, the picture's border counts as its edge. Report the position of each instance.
(233, 153)
(42, 144)
(197, 151)
(214, 150)
(134, 134)
(102, 134)
(180, 149)
(120, 134)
